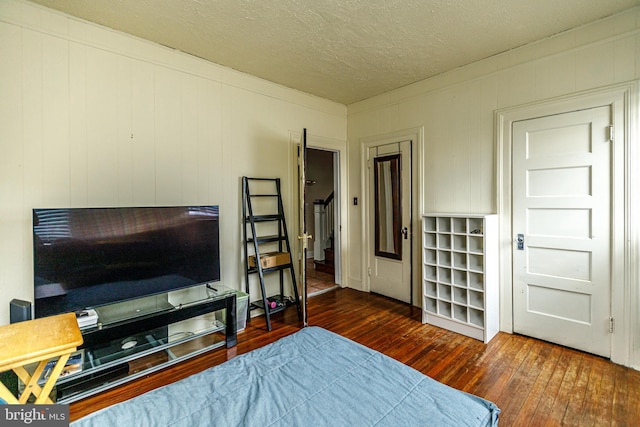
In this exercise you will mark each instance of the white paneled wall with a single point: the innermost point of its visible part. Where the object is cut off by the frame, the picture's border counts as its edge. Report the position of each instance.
(456, 111)
(93, 117)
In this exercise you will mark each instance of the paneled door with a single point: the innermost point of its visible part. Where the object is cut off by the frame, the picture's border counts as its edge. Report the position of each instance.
(389, 220)
(562, 229)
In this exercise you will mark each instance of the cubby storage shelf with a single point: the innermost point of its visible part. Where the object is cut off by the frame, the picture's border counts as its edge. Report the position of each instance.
(460, 273)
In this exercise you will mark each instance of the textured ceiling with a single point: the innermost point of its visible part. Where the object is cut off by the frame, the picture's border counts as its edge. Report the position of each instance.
(342, 50)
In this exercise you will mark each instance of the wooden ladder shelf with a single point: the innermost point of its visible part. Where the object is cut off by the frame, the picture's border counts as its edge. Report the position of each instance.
(267, 248)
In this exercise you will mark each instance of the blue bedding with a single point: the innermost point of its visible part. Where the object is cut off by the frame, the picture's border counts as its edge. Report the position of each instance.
(311, 378)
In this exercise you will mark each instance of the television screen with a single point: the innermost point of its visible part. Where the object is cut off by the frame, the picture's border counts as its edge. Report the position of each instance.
(88, 257)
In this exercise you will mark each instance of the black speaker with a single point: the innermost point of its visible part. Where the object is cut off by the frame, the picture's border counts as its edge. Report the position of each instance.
(19, 311)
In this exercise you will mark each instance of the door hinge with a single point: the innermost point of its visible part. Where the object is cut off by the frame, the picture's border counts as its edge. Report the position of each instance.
(611, 325)
(610, 133)
(369, 271)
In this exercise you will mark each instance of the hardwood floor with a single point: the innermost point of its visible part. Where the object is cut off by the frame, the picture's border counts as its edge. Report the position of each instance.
(318, 281)
(533, 382)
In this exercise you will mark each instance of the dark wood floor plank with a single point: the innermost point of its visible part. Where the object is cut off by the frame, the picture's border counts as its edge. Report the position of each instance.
(567, 377)
(533, 382)
(541, 387)
(475, 375)
(620, 396)
(633, 397)
(543, 413)
(508, 364)
(576, 397)
(521, 383)
(600, 384)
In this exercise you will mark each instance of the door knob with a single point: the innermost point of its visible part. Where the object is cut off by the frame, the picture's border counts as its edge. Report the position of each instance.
(305, 240)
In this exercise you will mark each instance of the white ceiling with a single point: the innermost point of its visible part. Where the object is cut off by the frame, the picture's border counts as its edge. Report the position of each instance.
(342, 50)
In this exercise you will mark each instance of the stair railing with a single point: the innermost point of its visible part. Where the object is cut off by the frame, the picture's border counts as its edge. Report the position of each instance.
(324, 223)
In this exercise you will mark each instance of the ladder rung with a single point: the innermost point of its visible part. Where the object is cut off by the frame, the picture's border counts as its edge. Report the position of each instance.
(284, 303)
(263, 218)
(266, 239)
(263, 195)
(253, 270)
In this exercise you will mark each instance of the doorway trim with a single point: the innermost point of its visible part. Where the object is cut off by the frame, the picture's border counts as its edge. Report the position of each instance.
(340, 175)
(416, 136)
(623, 100)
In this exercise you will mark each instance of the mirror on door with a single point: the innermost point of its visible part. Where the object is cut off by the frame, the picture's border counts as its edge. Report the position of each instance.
(388, 209)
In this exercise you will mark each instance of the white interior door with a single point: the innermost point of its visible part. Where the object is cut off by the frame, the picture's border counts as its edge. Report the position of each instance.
(389, 220)
(562, 229)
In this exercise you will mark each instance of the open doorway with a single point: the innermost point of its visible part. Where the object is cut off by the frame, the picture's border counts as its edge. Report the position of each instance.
(322, 219)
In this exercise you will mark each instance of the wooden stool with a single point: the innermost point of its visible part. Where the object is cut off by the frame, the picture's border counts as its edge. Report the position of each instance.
(37, 341)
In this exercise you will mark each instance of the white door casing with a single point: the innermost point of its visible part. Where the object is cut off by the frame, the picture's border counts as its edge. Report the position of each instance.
(561, 221)
(625, 210)
(388, 276)
(341, 224)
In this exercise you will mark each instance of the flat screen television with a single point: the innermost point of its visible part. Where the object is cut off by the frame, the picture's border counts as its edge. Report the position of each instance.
(90, 257)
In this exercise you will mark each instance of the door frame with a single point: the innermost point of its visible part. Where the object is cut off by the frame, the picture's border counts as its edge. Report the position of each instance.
(622, 99)
(337, 192)
(340, 182)
(416, 136)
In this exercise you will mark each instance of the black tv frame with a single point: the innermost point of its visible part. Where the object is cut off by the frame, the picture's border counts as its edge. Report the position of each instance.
(91, 257)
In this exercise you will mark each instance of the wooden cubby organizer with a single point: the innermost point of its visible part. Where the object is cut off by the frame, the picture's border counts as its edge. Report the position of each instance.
(460, 273)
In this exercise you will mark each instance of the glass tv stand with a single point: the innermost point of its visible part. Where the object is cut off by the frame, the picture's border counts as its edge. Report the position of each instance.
(120, 351)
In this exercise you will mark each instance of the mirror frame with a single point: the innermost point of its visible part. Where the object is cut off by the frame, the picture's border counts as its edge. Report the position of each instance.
(396, 206)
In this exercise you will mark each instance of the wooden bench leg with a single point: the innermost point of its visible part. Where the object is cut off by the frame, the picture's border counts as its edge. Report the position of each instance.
(53, 377)
(6, 395)
(31, 382)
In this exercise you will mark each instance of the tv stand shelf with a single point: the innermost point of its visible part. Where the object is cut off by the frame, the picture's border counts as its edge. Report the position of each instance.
(115, 353)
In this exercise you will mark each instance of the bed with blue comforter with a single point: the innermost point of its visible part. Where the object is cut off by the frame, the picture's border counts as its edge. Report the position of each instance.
(311, 378)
